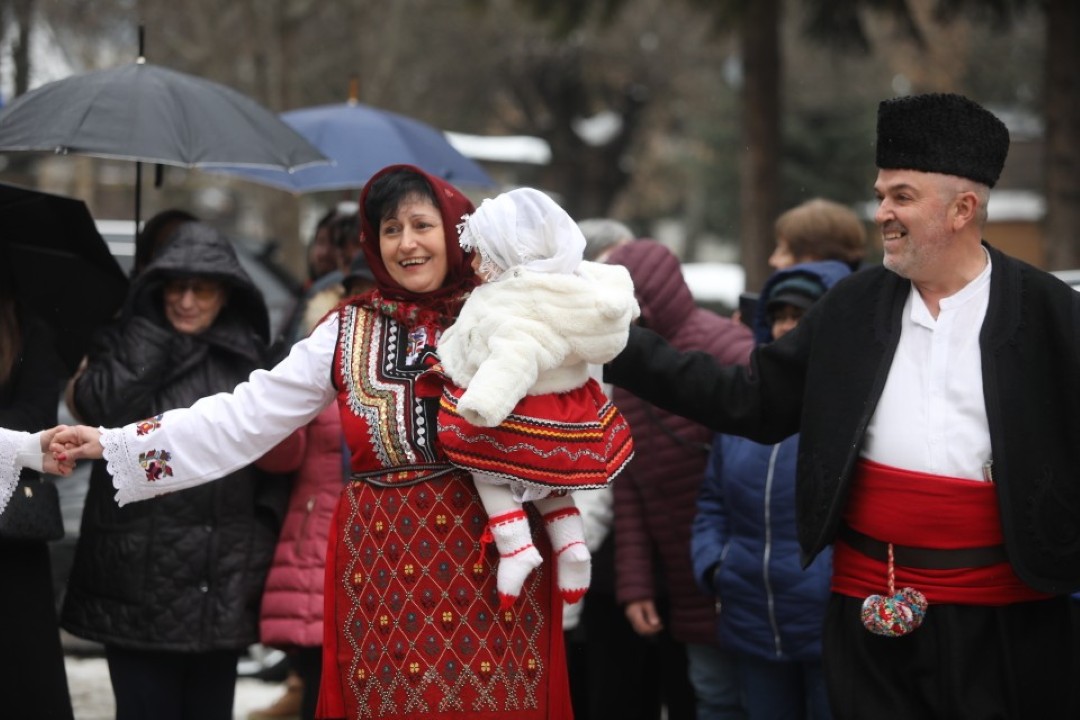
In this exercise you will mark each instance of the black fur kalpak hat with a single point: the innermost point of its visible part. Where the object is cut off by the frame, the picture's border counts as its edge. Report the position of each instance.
(941, 133)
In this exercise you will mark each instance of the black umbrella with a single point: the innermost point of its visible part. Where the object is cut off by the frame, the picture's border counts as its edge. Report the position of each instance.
(59, 265)
(148, 113)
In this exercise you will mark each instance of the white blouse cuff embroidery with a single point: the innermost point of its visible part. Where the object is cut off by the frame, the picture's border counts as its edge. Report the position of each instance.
(123, 464)
(222, 433)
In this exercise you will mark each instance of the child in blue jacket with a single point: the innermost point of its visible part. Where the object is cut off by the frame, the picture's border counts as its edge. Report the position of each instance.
(745, 551)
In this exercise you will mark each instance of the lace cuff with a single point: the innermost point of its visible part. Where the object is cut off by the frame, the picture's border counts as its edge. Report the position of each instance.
(123, 464)
(132, 470)
(140, 469)
(10, 444)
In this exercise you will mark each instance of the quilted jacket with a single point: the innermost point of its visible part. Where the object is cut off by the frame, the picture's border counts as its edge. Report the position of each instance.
(292, 604)
(745, 549)
(655, 496)
(184, 572)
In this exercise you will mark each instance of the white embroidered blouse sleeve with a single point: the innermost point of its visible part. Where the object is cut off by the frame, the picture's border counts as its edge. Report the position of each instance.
(17, 450)
(224, 432)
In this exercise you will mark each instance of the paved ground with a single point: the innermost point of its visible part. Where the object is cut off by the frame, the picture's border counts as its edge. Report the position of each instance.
(91, 693)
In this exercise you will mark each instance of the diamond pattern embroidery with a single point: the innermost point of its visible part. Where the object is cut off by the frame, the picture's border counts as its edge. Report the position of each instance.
(422, 619)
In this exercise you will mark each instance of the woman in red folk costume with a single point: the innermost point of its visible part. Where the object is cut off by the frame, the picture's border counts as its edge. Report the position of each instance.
(413, 625)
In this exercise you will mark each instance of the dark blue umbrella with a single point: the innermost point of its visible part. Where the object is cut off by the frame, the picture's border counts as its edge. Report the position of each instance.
(361, 140)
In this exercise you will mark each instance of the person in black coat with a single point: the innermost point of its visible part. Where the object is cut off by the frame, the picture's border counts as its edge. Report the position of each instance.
(938, 398)
(172, 588)
(33, 683)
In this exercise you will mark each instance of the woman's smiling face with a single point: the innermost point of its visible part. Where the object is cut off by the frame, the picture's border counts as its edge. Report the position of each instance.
(412, 242)
(192, 304)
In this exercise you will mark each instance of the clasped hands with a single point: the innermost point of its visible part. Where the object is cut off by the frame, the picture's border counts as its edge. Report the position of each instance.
(63, 445)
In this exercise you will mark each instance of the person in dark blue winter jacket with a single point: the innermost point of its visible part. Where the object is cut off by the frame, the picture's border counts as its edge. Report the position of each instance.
(744, 546)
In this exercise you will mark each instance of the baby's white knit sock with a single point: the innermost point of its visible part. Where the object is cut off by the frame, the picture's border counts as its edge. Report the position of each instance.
(567, 534)
(517, 554)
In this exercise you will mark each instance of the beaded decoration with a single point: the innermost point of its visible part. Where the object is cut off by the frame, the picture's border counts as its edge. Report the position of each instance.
(898, 614)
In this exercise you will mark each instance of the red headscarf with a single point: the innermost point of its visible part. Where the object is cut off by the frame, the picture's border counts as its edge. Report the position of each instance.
(390, 297)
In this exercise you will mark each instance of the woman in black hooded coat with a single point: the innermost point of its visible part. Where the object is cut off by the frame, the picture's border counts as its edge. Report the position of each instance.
(172, 588)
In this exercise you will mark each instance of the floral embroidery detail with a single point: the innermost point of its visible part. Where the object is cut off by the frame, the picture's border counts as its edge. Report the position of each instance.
(149, 425)
(156, 464)
(400, 311)
(388, 307)
(411, 314)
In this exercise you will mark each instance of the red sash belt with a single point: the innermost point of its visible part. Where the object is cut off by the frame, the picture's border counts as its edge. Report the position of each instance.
(938, 524)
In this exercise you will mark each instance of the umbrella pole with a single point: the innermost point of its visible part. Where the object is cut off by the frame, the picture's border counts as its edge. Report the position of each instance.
(138, 197)
(138, 165)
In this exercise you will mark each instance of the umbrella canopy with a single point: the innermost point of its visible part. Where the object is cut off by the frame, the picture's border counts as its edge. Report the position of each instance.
(147, 113)
(361, 140)
(59, 265)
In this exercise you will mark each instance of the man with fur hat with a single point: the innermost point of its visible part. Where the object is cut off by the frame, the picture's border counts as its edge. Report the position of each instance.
(938, 399)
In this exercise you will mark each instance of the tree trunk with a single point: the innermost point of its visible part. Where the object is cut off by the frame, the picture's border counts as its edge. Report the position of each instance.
(1062, 181)
(24, 16)
(759, 163)
(20, 166)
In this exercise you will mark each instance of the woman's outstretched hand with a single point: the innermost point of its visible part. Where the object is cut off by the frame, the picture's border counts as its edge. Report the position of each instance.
(49, 463)
(79, 442)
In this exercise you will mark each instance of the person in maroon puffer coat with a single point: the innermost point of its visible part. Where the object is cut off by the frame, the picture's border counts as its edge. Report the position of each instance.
(655, 496)
(291, 617)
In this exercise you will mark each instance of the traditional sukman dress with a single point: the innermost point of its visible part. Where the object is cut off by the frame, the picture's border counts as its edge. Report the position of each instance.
(413, 628)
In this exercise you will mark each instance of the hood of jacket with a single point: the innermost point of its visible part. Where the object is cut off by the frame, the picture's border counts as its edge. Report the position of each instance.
(198, 249)
(654, 497)
(662, 293)
(827, 272)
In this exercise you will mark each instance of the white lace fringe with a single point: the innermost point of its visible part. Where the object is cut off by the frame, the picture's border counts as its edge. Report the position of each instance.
(122, 463)
(9, 470)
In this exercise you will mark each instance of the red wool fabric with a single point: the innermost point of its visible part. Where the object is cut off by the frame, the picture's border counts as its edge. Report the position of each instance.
(564, 441)
(926, 511)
